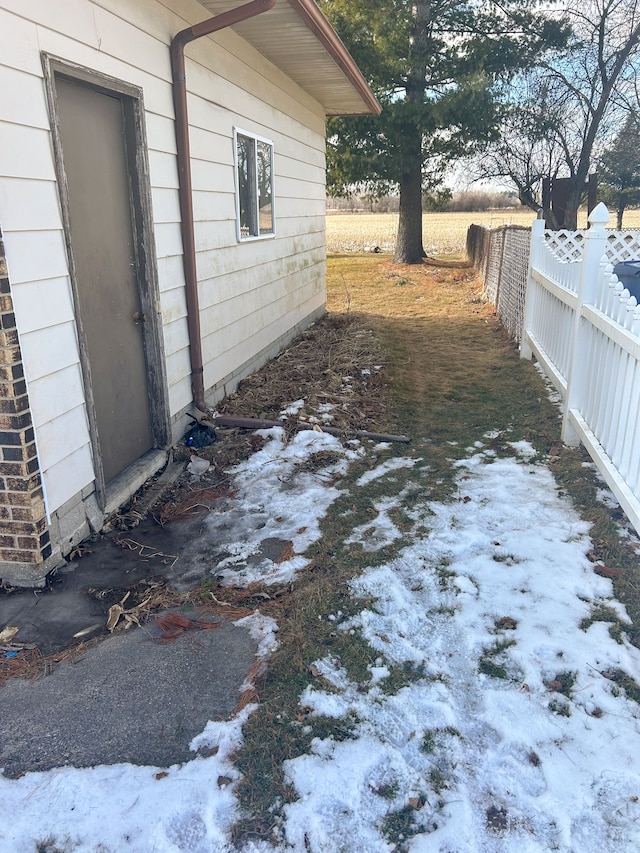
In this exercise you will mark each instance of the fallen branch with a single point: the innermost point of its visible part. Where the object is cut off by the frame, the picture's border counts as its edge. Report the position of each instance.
(261, 423)
(146, 551)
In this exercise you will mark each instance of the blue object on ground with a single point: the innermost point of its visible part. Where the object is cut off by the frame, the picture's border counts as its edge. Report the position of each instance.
(200, 436)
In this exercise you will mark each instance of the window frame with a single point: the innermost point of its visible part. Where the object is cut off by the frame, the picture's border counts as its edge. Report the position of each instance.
(253, 179)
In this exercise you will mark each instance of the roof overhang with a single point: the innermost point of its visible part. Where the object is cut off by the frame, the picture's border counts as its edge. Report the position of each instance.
(297, 38)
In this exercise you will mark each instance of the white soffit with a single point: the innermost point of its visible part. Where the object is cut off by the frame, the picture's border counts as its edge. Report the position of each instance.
(297, 38)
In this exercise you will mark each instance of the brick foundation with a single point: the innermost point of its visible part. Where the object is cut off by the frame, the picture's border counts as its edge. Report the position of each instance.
(25, 545)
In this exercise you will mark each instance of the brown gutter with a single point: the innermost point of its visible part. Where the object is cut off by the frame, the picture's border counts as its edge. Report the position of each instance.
(327, 36)
(183, 38)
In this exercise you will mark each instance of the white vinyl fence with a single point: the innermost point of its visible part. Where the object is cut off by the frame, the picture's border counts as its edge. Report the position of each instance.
(584, 329)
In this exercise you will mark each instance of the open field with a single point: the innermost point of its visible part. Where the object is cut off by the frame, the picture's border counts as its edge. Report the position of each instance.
(444, 233)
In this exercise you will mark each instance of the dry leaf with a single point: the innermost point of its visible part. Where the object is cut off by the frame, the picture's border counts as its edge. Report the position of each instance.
(161, 775)
(89, 630)
(130, 616)
(8, 633)
(606, 572)
(287, 553)
(113, 617)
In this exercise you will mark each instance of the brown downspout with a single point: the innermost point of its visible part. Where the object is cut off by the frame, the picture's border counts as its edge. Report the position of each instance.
(183, 38)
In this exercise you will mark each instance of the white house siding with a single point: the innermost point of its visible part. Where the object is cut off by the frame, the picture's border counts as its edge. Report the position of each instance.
(251, 294)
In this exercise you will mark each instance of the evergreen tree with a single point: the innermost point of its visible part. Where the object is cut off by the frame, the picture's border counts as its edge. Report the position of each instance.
(436, 68)
(619, 170)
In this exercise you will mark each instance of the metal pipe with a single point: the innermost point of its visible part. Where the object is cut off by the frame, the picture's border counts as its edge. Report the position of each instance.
(263, 423)
(178, 43)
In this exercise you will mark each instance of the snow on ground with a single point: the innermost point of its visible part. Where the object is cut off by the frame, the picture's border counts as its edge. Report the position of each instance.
(277, 500)
(392, 464)
(508, 736)
(109, 809)
(498, 760)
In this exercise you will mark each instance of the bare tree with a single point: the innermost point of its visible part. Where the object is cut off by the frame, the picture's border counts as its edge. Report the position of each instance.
(562, 115)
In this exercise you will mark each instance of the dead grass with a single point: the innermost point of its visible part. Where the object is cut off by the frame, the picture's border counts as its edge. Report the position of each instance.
(443, 233)
(453, 371)
(336, 362)
(451, 374)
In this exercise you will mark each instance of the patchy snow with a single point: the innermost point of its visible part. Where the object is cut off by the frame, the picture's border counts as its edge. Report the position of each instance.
(508, 733)
(263, 630)
(523, 449)
(376, 534)
(497, 757)
(395, 463)
(293, 409)
(276, 502)
(325, 411)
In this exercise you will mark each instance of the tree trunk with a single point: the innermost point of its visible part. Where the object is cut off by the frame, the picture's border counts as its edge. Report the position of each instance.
(619, 215)
(409, 248)
(409, 240)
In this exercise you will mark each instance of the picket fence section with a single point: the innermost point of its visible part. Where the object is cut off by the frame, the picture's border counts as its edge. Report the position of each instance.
(584, 328)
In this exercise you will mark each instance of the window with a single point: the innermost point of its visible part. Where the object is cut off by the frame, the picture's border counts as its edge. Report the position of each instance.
(254, 186)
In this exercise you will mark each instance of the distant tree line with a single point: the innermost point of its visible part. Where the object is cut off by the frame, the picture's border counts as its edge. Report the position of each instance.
(469, 201)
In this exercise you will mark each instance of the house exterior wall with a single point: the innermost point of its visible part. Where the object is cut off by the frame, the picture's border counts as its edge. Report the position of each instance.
(253, 295)
(24, 537)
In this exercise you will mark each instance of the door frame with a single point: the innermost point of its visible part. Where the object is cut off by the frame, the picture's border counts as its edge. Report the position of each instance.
(144, 246)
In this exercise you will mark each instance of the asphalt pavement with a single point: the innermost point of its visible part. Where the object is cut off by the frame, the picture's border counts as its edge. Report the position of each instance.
(129, 696)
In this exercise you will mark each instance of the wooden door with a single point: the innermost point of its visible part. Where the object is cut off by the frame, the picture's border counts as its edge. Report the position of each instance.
(98, 169)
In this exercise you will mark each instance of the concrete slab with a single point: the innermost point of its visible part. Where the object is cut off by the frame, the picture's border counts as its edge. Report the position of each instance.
(130, 698)
(79, 595)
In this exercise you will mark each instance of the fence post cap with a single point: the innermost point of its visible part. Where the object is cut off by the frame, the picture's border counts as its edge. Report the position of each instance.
(599, 215)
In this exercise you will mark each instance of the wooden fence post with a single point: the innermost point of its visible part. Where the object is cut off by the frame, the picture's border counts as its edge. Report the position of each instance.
(594, 249)
(537, 239)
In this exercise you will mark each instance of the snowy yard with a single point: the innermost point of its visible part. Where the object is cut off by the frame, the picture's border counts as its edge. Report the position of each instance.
(509, 732)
